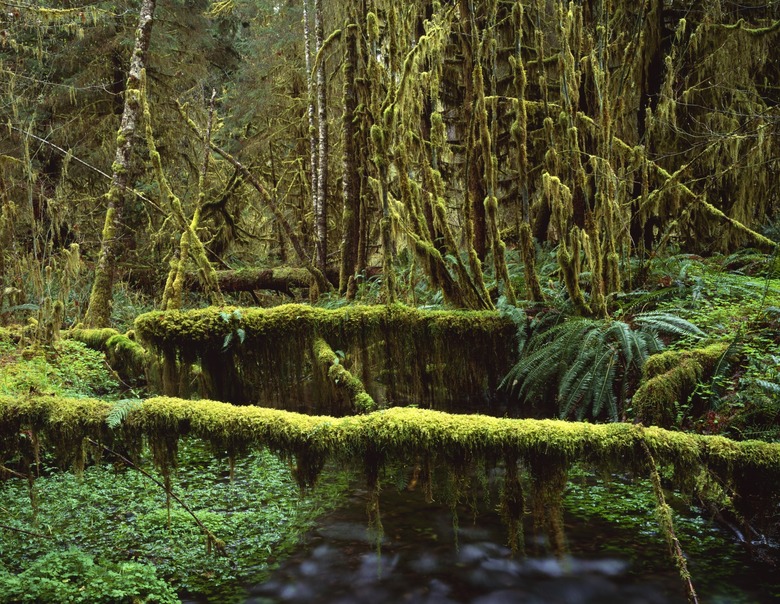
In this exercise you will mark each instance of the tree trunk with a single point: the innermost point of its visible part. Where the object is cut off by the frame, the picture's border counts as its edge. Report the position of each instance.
(321, 205)
(100, 299)
(351, 177)
(476, 232)
(311, 112)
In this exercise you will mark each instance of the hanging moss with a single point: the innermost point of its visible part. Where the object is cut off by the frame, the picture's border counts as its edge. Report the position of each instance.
(435, 358)
(398, 434)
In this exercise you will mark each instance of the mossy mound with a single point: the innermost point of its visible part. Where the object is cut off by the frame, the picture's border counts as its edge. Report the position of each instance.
(670, 378)
(126, 356)
(441, 359)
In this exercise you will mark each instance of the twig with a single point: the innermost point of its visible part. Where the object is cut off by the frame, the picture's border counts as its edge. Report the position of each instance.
(667, 526)
(83, 163)
(18, 530)
(211, 538)
(10, 471)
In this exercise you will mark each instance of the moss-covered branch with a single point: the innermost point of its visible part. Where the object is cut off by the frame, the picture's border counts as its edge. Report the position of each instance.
(322, 283)
(670, 377)
(126, 356)
(342, 378)
(752, 467)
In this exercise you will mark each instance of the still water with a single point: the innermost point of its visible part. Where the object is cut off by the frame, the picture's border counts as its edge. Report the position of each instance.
(418, 561)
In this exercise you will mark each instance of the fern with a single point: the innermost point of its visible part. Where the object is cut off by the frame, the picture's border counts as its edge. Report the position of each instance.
(767, 386)
(588, 363)
(120, 410)
(664, 322)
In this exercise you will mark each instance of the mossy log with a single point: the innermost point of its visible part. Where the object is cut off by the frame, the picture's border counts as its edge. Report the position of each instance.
(251, 279)
(752, 468)
(126, 356)
(670, 377)
(280, 279)
(442, 359)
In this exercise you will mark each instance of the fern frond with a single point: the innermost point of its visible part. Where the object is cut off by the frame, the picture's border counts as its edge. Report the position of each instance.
(771, 387)
(120, 410)
(604, 388)
(622, 334)
(572, 390)
(668, 323)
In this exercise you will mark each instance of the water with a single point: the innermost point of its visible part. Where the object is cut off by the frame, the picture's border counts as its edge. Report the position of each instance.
(418, 562)
(616, 555)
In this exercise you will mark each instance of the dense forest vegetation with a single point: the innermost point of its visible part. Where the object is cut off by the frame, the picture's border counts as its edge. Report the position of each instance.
(526, 210)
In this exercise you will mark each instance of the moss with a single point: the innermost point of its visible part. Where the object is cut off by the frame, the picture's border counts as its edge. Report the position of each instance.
(342, 378)
(433, 358)
(398, 434)
(670, 378)
(126, 356)
(94, 338)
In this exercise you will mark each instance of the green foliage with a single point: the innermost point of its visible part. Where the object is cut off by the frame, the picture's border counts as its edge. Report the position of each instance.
(239, 333)
(120, 410)
(120, 518)
(590, 363)
(72, 575)
(733, 298)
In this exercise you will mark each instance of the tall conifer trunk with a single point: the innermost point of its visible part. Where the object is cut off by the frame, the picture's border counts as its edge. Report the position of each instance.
(311, 107)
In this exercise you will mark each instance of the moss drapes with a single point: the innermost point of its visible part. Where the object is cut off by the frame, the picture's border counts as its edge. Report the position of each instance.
(402, 355)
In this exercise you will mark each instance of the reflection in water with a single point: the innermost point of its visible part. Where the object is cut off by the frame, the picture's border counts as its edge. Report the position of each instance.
(418, 562)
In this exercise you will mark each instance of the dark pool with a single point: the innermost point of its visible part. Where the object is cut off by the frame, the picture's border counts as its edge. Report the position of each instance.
(418, 561)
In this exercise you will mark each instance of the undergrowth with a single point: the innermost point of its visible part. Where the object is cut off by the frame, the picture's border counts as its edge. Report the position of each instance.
(118, 517)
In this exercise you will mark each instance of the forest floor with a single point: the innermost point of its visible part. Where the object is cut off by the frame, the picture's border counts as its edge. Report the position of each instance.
(107, 535)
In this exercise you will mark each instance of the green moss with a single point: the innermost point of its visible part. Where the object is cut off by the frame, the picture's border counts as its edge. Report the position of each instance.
(341, 377)
(94, 338)
(126, 356)
(434, 358)
(548, 447)
(670, 378)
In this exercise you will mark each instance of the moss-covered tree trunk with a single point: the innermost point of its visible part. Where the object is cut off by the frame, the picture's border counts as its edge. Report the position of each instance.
(351, 175)
(100, 299)
(474, 209)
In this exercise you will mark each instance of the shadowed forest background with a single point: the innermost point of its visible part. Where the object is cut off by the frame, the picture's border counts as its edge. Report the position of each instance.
(538, 209)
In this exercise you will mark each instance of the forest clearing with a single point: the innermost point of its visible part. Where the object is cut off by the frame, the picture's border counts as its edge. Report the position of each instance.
(377, 301)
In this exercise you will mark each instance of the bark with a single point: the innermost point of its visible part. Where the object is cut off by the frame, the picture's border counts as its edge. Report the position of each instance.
(321, 204)
(99, 309)
(351, 176)
(310, 107)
